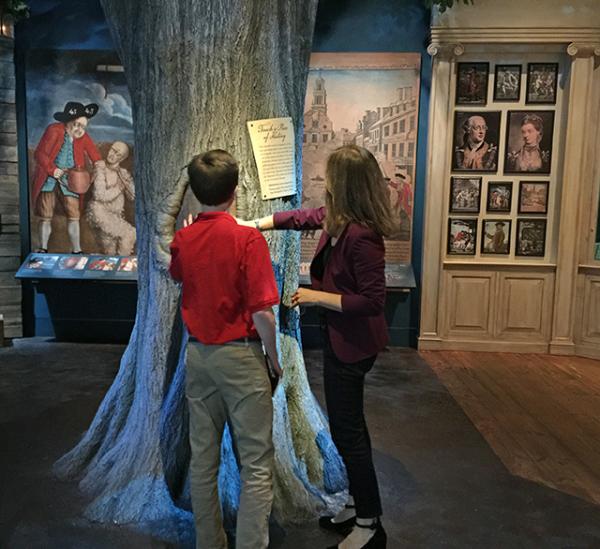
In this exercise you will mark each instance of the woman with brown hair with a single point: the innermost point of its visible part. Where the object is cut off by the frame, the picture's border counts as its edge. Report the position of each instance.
(348, 282)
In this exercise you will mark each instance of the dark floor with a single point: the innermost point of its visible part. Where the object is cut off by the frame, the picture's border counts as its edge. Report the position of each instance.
(441, 484)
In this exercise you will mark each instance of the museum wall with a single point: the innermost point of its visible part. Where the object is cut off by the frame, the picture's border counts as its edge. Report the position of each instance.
(384, 26)
(10, 243)
(80, 309)
(509, 252)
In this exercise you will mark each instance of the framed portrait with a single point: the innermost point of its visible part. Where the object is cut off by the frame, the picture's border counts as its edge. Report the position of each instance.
(507, 83)
(531, 237)
(529, 142)
(472, 83)
(462, 236)
(533, 197)
(475, 145)
(495, 236)
(499, 197)
(542, 79)
(465, 193)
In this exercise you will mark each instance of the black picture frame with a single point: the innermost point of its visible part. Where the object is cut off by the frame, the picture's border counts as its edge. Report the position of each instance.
(538, 122)
(455, 182)
(472, 83)
(534, 245)
(492, 185)
(489, 161)
(534, 93)
(470, 247)
(484, 233)
(545, 185)
(515, 96)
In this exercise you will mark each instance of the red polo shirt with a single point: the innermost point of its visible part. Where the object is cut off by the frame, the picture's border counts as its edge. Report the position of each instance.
(226, 273)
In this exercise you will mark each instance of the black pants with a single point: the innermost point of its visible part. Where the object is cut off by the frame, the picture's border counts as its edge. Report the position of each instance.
(344, 389)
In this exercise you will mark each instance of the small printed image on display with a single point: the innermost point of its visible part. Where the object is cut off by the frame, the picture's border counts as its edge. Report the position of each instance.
(541, 83)
(529, 142)
(103, 264)
(472, 83)
(41, 262)
(462, 236)
(465, 194)
(533, 197)
(531, 237)
(507, 83)
(499, 196)
(476, 141)
(72, 263)
(128, 265)
(496, 236)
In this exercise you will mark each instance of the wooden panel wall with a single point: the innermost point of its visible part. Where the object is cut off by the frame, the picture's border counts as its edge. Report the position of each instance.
(10, 243)
(502, 310)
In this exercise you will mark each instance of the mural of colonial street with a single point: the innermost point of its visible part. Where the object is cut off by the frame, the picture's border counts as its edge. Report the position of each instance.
(369, 100)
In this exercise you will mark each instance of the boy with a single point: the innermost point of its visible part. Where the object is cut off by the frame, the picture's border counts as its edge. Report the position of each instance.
(228, 289)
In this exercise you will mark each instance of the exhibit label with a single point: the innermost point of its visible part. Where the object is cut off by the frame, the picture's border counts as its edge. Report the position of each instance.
(273, 145)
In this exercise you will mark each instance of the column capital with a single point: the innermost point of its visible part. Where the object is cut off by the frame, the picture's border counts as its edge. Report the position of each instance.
(585, 49)
(445, 50)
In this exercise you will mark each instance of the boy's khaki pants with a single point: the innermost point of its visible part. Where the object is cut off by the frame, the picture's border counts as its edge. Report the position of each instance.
(229, 382)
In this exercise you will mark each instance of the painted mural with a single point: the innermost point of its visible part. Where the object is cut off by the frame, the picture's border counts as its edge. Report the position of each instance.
(80, 144)
(371, 100)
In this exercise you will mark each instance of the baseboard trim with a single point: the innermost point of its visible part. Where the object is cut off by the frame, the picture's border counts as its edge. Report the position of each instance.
(482, 346)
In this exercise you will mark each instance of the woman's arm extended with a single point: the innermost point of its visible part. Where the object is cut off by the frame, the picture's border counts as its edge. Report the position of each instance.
(297, 220)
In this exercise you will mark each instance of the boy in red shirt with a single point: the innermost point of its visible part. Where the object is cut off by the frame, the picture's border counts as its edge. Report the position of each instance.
(228, 290)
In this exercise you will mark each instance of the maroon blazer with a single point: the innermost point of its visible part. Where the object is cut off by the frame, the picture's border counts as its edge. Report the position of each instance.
(356, 270)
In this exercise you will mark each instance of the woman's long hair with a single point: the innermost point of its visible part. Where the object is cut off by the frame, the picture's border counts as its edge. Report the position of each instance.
(356, 192)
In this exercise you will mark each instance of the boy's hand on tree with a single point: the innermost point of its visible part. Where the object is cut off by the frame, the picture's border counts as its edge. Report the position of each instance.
(275, 366)
(188, 221)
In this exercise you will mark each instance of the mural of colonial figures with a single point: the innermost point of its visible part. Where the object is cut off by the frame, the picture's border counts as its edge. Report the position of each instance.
(369, 100)
(80, 137)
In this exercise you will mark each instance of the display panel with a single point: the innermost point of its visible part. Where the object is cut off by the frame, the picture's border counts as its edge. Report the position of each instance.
(80, 155)
(78, 266)
(371, 100)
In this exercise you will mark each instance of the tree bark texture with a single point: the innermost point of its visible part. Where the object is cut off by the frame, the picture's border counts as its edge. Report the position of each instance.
(197, 71)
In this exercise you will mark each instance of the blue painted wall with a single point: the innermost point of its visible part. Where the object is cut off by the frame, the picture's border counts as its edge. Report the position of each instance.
(341, 25)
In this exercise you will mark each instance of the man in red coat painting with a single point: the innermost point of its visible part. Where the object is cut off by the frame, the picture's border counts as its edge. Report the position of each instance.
(64, 145)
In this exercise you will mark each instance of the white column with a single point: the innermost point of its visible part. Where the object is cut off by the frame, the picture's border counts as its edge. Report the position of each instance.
(579, 153)
(438, 157)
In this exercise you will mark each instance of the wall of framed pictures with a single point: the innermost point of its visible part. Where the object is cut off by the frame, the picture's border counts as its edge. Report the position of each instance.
(503, 178)
(508, 259)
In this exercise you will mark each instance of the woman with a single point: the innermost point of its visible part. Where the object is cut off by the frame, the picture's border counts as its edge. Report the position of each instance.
(530, 157)
(348, 282)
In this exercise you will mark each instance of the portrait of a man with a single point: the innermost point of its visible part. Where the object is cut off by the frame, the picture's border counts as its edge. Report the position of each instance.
(529, 142)
(496, 237)
(476, 141)
(472, 83)
(63, 146)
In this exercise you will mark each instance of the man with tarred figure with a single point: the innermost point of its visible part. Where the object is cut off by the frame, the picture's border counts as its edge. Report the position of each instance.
(64, 146)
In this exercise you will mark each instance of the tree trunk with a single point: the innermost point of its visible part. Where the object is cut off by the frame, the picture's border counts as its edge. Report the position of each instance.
(197, 71)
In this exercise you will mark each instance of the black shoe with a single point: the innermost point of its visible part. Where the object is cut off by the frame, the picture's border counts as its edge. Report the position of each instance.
(343, 528)
(379, 539)
(41, 251)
